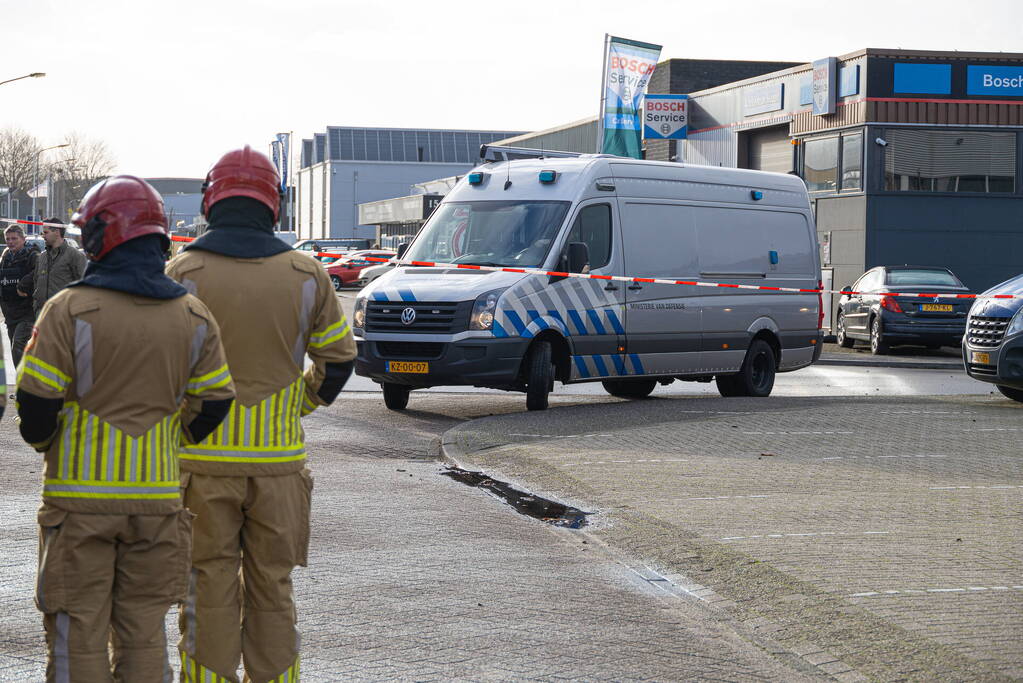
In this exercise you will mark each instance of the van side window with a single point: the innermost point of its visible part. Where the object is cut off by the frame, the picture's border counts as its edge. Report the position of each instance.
(593, 228)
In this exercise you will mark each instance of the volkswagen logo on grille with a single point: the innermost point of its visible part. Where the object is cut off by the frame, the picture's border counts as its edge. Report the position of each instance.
(408, 316)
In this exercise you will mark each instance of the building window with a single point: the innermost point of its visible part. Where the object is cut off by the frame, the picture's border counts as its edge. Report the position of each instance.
(820, 165)
(852, 162)
(949, 161)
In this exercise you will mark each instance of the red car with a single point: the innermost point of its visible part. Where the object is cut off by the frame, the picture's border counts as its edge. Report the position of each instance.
(345, 270)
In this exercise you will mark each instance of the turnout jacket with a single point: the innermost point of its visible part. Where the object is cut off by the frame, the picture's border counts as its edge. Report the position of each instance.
(272, 311)
(127, 372)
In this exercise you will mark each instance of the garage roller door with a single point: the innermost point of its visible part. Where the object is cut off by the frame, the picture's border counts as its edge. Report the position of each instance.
(770, 150)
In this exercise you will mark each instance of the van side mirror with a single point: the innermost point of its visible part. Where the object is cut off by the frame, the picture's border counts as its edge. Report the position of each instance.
(578, 256)
(846, 289)
(402, 248)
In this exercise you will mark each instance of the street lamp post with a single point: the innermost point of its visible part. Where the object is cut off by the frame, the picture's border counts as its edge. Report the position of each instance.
(38, 74)
(35, 177)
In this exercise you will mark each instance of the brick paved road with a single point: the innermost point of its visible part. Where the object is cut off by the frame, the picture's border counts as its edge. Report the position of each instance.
(415, 577)
(884, 534)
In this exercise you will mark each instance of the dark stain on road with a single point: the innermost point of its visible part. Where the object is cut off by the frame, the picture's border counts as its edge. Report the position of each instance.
(529, 504)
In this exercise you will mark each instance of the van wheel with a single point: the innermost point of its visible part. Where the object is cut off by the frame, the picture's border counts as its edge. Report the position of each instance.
(755, 377)
(841, 337)
(539, 375)
(396, 395)
(629, 388)
(337, 283)
(878, 345)
(1009, 392)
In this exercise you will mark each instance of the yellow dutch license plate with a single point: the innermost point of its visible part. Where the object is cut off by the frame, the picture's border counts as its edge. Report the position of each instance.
(980, 358)
(408, 366)
(938, 308)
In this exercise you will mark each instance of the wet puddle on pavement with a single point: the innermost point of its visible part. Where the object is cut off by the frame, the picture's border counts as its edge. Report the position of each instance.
(534, 506)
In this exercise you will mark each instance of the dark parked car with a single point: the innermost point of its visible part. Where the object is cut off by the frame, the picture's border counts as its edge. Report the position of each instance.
(993, 346)
(885, 321)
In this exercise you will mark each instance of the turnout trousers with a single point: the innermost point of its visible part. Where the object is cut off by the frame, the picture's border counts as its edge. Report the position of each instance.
(104, 585)
(249, 533)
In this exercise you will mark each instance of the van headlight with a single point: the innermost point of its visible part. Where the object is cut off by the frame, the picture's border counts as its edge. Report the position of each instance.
(483, 311)
(1016, 324)
(359, 316)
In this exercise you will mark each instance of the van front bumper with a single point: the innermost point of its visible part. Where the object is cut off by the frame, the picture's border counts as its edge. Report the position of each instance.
(1004, 366)
(477, 362)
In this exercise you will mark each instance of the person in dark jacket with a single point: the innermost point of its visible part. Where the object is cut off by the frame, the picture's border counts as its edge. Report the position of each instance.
(58, 266)
(17, 266)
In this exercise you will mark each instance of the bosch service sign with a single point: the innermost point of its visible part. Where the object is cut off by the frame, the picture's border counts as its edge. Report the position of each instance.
(665, 117)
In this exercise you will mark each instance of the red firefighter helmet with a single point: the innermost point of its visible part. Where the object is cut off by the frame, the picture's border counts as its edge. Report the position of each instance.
(116, 210)
(243, 173)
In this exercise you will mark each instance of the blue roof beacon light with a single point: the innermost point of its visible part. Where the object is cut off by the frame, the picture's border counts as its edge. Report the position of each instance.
(476, 178)
(756, 195)
(548, 177)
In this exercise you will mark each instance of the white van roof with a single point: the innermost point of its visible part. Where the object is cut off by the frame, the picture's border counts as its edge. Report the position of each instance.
(631, 177)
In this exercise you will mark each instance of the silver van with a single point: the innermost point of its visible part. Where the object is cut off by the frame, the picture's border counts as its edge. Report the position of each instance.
(428, 326)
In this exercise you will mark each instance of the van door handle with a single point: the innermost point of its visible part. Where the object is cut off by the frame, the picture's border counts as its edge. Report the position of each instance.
(635, 287)
(611, 287)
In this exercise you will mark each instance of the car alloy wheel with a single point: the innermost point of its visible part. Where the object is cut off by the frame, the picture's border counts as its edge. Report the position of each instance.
(878, 346)
(841, 336)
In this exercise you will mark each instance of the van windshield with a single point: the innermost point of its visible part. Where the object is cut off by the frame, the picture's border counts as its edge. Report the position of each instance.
(492, 233)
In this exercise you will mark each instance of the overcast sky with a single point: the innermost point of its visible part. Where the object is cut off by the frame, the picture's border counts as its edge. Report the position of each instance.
(171, 85)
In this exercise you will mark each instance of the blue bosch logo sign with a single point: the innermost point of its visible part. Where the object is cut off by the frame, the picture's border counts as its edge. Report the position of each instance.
(408, 316)
(994, 80)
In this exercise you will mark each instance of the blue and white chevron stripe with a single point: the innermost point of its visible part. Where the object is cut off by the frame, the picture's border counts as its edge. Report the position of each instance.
(573, 307)
(394, 295)
(607, 365)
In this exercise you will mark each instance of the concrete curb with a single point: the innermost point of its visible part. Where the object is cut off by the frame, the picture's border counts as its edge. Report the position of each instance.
(953, 366)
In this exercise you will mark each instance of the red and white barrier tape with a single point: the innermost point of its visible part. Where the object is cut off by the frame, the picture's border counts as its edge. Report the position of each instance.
(622, 278)
(658, 281)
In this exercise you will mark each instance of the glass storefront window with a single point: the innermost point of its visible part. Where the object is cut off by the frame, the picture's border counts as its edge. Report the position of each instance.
(820, 165)
(852, 162)
(949, 161)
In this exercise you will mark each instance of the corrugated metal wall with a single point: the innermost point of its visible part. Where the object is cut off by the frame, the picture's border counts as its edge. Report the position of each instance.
(946, 113)
(712, 148)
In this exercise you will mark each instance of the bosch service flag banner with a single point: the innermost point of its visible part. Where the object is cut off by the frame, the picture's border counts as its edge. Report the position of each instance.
(628, 65)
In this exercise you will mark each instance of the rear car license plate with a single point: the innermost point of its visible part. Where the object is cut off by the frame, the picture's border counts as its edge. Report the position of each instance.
(938, 308)
(980, 357)
(408, 366)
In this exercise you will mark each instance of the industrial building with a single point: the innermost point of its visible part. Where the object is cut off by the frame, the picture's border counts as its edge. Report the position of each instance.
(909, 156)
(346, 166)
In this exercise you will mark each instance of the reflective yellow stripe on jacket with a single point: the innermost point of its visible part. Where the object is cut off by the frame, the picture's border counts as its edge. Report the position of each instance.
(44, 372)
(97, 460)
(266, 432)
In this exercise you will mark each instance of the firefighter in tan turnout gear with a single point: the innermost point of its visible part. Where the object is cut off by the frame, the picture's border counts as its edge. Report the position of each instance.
(121, 365)
(247, 482)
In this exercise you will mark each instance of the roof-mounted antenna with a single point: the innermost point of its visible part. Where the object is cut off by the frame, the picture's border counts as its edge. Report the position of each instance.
(507, 182)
